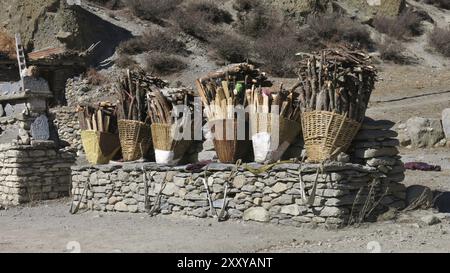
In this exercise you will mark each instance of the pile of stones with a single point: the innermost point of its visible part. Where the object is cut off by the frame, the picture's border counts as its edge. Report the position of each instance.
(376, 146)
(66, 121)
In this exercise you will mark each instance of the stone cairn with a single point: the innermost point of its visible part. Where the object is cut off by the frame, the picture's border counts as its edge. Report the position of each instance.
(33, 172)
(376, 146)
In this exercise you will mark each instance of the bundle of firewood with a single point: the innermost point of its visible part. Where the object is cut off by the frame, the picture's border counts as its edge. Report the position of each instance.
(100, 117)
(132, 89)
(161, 103)
(220, 91)
(338, 80)
(281, 102)
(179, 96)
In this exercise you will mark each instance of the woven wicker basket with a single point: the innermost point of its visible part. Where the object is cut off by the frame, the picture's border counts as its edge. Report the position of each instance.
(325, 132)
(168, 150)
(230, 150)
(99, 147)
(135, 139)
(268, 146)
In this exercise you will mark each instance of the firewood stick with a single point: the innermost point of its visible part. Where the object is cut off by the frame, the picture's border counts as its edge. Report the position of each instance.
(94, 123)
(230, 108)
(320, 104)
(330, 96)
(138, 102)
(81, 120)
(226, 89)
(201, 92)
(100, 121)
(107, 124)
(224, 108)
(265, 104)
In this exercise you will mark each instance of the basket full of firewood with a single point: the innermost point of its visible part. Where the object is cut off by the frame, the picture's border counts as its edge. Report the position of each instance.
(170, 133)
(99, 134)
(274, 122)
(223, 94)
(134, 122)
(335, 88)
(231, 140)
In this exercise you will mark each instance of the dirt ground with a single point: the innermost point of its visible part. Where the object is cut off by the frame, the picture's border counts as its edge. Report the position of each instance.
(50, 228)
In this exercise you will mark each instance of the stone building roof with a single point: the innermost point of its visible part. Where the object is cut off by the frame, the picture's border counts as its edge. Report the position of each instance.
(25, 88)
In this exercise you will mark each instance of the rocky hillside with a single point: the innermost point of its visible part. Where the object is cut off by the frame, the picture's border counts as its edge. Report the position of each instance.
(182, 39)
(53, 23)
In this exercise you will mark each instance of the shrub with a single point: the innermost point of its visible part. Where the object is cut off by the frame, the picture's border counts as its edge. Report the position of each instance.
(208, 11)
(125, 61)
(94, 77)
(406, 24)
(277, 49)
(333, 28)
(258, 21)
(164, 64)
(392, 50)
(231, 48)
(132, 46)
(194, 25)
(445, 4)
(198, 18)
(153, 10)
(155, 40)
(439, 38)
(324, 25)
(245, 5)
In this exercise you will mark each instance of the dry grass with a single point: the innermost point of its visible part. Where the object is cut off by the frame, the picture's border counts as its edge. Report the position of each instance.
(200, 19)
(161, 64)
(7, 45)
(153, 10)
(257, 21)
(209, 11)
(245, 5)
(405, 25)
(231, 48)
(125, 61)
(439, 38)
(94, 77)
(333, 28)
(155, 40)
(277, 51)
(392, 50)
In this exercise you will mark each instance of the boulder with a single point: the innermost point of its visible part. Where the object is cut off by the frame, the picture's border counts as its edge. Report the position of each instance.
(424, 132)
(366, 10)
(259, 214)
(430, 219)
(446, 122)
